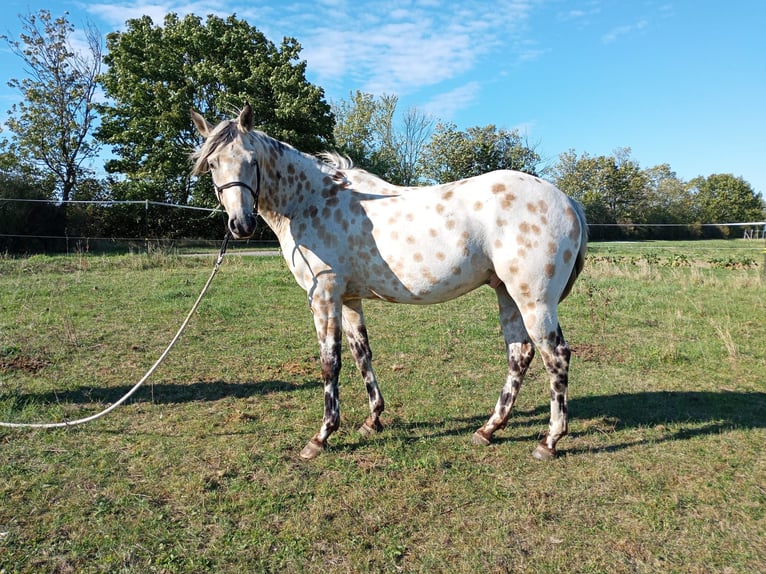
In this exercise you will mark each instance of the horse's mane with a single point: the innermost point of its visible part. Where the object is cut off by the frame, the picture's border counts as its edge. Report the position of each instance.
(330, 163)
(224, 133)
(336, 160)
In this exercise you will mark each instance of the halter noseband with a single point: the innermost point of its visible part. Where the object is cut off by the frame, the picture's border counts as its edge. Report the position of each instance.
(255, 193)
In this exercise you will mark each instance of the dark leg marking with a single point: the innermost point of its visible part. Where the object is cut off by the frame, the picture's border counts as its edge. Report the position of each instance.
(359, 343)
(557, 365)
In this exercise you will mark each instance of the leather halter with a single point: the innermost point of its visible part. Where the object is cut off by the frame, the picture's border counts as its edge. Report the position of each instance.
(255, 193)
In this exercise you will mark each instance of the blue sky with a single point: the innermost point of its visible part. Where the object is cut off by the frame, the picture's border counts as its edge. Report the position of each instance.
(681, 82)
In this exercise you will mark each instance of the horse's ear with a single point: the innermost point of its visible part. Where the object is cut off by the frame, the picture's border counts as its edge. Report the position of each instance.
(202, 125)
(246, 118)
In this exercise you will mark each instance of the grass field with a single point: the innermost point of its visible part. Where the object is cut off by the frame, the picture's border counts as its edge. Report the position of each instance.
(664, 469)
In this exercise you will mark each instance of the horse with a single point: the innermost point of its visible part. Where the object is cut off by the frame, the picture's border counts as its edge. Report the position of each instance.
(348, 235)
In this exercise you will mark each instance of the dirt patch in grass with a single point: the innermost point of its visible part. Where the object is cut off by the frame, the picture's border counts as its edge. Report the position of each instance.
(23, 363)
(595, 352)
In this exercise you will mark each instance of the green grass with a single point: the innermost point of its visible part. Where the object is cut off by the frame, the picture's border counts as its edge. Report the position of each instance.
(663, 471)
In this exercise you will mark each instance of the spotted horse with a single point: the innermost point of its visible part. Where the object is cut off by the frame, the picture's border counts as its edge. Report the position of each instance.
(347, 235)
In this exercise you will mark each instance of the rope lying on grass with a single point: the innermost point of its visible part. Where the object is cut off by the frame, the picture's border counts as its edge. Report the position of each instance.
(148, 374)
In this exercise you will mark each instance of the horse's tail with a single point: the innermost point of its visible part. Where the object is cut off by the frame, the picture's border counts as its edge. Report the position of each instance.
(580, 260)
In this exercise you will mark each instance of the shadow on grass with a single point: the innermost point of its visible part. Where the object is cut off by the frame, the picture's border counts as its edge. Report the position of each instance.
(202, 391)
(684, 414)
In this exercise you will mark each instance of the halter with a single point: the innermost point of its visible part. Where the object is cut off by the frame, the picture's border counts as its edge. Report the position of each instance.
(255, 194)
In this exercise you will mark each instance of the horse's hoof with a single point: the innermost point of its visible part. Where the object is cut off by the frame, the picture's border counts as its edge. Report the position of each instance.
(479, 439)
(542, 452)
(370, 428)
(312, 450)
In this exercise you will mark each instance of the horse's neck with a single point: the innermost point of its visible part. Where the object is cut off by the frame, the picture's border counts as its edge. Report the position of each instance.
(287, 178)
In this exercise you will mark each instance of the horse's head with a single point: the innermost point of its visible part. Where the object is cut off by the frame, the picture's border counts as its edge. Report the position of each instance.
(229, 155)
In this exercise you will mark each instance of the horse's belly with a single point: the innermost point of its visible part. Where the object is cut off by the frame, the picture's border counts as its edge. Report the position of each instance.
(424, 283)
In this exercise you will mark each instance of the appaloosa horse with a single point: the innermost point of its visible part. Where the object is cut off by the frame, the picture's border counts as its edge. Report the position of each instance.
(347, 235)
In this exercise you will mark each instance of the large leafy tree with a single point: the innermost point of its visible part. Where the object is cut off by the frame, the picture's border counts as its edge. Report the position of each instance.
(53, 125)
(724, 198)
(157, 73)
(453, 154)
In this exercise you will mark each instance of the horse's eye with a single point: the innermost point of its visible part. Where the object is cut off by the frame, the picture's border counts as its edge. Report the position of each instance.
(212, 164)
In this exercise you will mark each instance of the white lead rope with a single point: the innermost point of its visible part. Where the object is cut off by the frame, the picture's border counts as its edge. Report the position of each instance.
(148, 374)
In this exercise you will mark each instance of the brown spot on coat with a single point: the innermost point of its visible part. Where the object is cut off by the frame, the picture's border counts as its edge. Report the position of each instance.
(550, 270)
(507, 200)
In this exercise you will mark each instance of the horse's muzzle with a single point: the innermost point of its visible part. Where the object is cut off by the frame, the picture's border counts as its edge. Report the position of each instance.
(242, 227)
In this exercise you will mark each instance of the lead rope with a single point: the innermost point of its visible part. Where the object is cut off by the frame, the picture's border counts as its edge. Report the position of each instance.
(148, 374)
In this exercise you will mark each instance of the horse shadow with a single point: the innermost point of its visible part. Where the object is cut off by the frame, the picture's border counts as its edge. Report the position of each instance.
(162, 393)
(682, 414)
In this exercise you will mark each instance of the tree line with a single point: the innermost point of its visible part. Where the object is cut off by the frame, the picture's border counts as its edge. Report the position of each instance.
(132, 97)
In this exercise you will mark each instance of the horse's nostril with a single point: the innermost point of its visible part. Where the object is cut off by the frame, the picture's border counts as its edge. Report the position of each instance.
(242, 229)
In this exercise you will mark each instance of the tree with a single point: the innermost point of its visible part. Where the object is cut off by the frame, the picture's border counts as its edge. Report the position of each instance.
(611, 188)
(409, 144)
(53, 125)
(723, 198)
(667, 197)
(19, 219)
(157, 73)
(366, 131)
(452, 154)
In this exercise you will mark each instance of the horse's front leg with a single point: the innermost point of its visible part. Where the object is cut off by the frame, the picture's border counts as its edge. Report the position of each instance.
(327, 319)
(356, 333)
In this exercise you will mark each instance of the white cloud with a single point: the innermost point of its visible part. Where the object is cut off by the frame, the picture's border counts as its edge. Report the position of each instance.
(620, 31)
(446, 105)
(391, 46)
(399, 46)
(116, 14)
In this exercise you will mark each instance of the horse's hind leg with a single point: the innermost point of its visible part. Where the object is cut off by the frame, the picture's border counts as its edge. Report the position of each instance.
(356, 333)
(520, 353)
(556, 355)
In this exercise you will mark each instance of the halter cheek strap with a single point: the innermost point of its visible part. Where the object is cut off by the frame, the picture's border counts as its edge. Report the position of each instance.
(255, 193)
